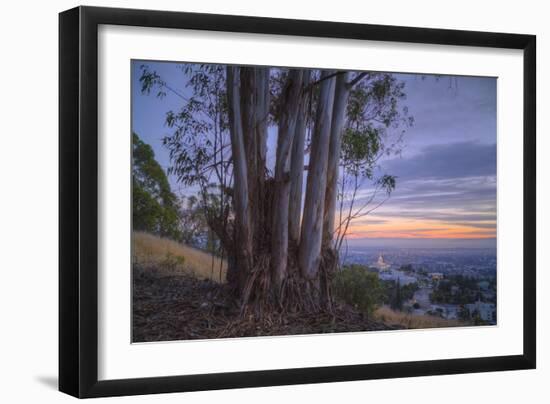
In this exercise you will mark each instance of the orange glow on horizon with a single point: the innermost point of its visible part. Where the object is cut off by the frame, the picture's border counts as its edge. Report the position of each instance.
(428, 229)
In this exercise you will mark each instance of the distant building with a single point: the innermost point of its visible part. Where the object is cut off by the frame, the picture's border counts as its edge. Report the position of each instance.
(381, 264)
(447, 311)
(422, 297)
(393, 275)
(436, 276)
(483, 285)
(486, 311)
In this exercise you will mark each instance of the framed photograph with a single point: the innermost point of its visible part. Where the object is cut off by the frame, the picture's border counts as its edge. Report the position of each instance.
(251, 201)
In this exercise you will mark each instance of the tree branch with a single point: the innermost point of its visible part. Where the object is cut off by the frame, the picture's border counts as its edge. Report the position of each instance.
(356, 80)
(308, 88)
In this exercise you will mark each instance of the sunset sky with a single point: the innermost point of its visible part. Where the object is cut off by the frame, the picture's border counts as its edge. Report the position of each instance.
(446, 185)
(446, 172)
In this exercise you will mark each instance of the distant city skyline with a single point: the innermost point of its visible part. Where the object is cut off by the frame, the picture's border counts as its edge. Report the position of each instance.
(428, 243)
(446, 172)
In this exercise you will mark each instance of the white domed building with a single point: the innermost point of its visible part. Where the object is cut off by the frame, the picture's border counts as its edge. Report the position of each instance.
(381, 264)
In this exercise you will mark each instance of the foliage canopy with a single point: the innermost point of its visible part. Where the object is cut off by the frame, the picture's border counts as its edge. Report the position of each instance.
(154, 206)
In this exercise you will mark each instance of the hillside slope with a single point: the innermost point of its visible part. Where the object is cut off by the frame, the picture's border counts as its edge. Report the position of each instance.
(165, 255)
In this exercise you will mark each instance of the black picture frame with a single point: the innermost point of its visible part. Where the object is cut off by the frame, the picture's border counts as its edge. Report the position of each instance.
(78, 201)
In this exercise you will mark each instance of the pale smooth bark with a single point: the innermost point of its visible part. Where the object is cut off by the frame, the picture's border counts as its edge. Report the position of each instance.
(261, 96)
(248, 119)
(254, 101)
(243, 236)
(297, 167)
(289, 104)
(312, 222)
(341, 96)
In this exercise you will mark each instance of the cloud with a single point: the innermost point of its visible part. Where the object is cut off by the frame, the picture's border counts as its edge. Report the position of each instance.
(370, 220)
(453, 160)
(490, 226)
(446, 176)
(458, 218)
(457, 199)
(458, 202)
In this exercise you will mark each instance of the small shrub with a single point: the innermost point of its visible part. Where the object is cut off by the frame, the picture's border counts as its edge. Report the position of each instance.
(358, 287)
(173, 262)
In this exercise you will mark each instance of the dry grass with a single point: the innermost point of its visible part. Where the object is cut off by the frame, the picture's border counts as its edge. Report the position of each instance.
(389, 316)
(170, 256)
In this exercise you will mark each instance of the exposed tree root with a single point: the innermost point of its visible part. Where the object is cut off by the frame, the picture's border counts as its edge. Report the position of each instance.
(174, 306)
(296, 294)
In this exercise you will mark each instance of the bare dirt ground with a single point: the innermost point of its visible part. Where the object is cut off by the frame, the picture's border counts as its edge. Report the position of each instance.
(168, 307)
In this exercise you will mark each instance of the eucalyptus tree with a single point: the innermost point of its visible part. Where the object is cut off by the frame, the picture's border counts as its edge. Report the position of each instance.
(281, 242)
(374, 128)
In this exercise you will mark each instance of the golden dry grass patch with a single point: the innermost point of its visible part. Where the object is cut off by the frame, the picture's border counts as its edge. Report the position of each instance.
(389, 316)
(169, 255)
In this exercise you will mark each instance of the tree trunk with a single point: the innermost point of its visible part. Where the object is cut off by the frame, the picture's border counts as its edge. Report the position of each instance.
(262, 116)
(254, 100)
(341, 96)
(249, 118)
(261, 99)
(297, 167)
(312, 222)
(289, 104)
(243, 234)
